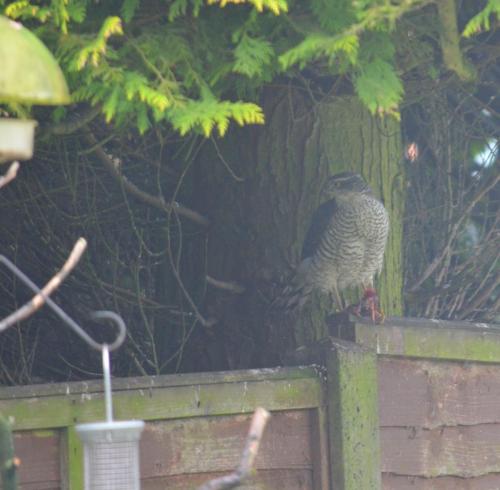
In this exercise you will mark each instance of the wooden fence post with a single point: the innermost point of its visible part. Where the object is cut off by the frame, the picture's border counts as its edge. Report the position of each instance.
(352, 390)
(73, 464)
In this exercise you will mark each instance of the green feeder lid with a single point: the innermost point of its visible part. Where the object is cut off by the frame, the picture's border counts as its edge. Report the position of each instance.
(28, 71)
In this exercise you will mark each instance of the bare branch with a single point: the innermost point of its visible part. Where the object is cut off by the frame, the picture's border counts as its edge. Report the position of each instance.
(73, 123)
(453, 234)
(223, 160)
(157, 202)
(259, 421)
(232, 287)
(38, 300)
(10, 174)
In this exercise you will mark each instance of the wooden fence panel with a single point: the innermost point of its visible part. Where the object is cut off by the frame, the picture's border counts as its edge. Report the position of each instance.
(439, 424)
(192, 449)
(430, 393)
(265, 480)
(40, 455)
(196, 428)
(398, 482)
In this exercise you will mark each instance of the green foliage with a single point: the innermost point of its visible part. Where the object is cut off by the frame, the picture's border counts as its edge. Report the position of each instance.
(317, 46)
(96, 48)
(141, 68)
(253, 56)
(379, 87)
(128, 9)
(376, 82)
(202, 115)
(275, 6)
(179, 8)
(334, 16)
(481, 21)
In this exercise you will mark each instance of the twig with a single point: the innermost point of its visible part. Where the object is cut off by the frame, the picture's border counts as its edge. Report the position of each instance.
(453, 234)
(10, 174)
(223, 160)
(73, 123)
(157, 202)
(233, 287)
(38, 300)
(259, 421)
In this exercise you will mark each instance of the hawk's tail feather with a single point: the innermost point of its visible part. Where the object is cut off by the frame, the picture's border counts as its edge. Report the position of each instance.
(293, 297)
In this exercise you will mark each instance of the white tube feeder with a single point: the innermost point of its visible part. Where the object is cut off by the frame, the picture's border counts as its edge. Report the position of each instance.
(111, 448)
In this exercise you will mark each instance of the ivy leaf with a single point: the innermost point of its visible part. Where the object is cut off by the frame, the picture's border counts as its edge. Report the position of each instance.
(379, 87)
(252, 56)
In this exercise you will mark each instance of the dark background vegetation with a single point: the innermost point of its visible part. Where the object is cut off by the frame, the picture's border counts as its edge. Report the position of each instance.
(151, 265)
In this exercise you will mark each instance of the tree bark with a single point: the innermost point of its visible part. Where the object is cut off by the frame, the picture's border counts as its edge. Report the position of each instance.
(259, 224)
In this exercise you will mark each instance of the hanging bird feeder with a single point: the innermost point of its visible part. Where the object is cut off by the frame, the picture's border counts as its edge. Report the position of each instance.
(111, 448)
(29, 74)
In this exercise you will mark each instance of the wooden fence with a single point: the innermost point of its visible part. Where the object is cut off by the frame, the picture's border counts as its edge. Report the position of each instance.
(411, 404)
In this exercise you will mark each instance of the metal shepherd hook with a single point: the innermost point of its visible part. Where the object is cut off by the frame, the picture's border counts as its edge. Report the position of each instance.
(96, 315)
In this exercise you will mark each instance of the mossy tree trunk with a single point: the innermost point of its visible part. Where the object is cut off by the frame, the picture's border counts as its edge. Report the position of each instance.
(260, 223)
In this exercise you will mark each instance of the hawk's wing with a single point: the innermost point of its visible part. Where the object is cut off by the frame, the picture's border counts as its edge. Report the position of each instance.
(317, 228)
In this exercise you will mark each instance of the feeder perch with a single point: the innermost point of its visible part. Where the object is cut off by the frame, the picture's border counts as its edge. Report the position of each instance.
(29, 74)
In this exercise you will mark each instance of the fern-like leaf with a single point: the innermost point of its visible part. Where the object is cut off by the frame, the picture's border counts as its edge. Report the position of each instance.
(179, 8)
(275, 6)
(128, 9)
(24, 10)
(317, 46)
(379, 87)
(252, 56)
(77, 11)
(481, 21)
(205, 114)
(97, 48)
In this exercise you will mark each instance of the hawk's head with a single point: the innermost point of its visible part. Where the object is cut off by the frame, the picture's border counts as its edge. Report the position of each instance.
(345, 183)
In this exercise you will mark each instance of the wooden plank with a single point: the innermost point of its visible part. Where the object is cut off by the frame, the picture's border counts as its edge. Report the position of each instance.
(463, 451)
(398, 482)
(435, 339)
(353, 417)
(39, 452)
(152, 382)
(320, 451)
(427, 394)
(202, 445)
(298, 479)
(406, 322)
(166, 402)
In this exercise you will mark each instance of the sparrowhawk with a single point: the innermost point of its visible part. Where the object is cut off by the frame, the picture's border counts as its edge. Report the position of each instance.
(344, 245)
